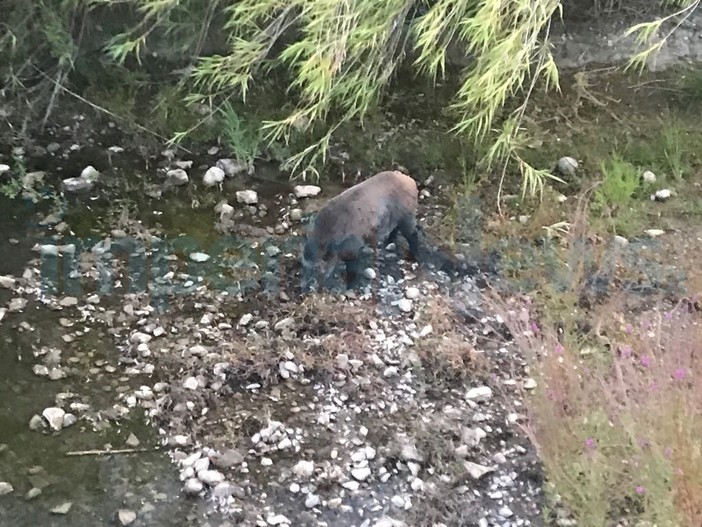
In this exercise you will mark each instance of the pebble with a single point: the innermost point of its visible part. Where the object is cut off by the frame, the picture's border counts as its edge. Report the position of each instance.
(278, 519)
(296, 214)
(228, 459)
(177, 177)
(32, 493)
(405, 305)
(398, 501)
(411, 293)
(620, 241)
(312, 500)
(248, 197)
(17, 304)
(199, 257)
(210, 477)
(126, 516)
(213, 176)
(132, 441)
(5, 488)
(529, 384)
(4, 168)
(654, 233)
(481, 393)
(361, 474)
(193, 486)
(351, 485)
(567, 166)
(649, 177)
(232, 167)
(54, 416)
(64, 508)
(661, 195)
(89, 173)
(304, 469)
(191, 383)
(306, 191)
(7, 282)
(475, 470)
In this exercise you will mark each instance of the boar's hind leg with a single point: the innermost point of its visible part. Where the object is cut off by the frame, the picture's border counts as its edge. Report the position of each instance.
(408, 227)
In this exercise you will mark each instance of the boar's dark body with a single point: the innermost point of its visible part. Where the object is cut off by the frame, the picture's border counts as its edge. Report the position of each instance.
(371, 212)
(352, 224)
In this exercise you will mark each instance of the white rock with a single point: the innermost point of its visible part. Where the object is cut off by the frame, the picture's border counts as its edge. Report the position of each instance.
(232, 167)
(225, 211)
(312, 500)
(306, 191)
(199, 257)
(89, 173)
(361, 473)
(649, 177)
(193, 486)
(177, 177)
(475, 470)
(620, 241)
(248, 197)
(411, 293)
(213, 176)
(505, 512)
(5, 488)
(283, 324)
(191, 383)
(75, 184)
(369, 273)
(4, 168)
(68, 420)
(386, 521)
(294, 488)
(62, 509)
(567, 166)
(278, 519)
(201, 464)
(126, 517)
(245, 319)
(54, 416)
(529, 384)
(210, 477)
(17, 304)
(404, 305)
(296, 214)
(303, 468)
(398, 501)
(7, 282)
(654, 233)
(661, 195)
(48, 250)
(481, 393)
(353, 486)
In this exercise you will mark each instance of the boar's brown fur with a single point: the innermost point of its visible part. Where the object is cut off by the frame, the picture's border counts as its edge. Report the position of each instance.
(371, 212)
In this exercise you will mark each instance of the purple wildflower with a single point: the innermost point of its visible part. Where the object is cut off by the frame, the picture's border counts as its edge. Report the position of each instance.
(646, 361)
(679, 374)
(640, 489)
(559, 348)
(590, 443)
(625, 350)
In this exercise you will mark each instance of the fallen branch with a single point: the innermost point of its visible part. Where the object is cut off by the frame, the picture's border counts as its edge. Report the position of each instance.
(109, 452)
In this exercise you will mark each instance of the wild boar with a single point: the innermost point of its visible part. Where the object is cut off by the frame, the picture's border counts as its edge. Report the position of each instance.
(351, 225)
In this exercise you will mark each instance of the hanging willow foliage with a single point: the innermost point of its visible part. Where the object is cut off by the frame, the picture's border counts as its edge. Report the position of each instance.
(342, 54)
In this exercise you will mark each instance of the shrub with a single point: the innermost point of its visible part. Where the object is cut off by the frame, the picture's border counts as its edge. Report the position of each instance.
(618, 427)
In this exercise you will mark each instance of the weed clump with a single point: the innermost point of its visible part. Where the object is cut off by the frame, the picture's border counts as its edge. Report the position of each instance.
(618, 426)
